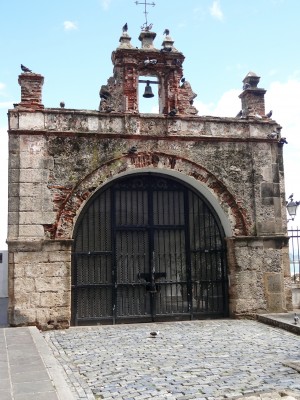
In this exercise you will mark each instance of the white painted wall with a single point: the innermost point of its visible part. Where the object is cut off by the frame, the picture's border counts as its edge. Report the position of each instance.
(4, 274)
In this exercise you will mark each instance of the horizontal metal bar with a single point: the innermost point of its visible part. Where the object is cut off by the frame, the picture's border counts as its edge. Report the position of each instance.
(93, 285)
(91, 253)
(143, 81)
(146, 227)
(205, 251)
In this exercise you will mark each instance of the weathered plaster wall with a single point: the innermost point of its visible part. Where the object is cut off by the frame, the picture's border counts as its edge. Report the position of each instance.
(59, 158)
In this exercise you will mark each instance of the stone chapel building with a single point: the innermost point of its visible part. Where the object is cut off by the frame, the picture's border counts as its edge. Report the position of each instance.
(117, 216)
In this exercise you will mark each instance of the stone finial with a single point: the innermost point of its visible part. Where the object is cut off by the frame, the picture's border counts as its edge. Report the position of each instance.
(168, 43)
(253, 100)
(147, 38)
(125, 41)
(31, 90)
(252, 80)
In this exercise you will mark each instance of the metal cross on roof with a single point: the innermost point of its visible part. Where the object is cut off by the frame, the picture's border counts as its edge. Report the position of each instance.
(145, 26)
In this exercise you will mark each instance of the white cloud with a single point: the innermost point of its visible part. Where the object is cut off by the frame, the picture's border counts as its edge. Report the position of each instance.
(2, 86)
(6, 104)
(105, 4)
(215, 10)
(228, 105)
(70, 26)
(283, 99)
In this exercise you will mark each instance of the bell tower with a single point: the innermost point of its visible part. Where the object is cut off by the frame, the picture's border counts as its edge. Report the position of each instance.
(162, 66)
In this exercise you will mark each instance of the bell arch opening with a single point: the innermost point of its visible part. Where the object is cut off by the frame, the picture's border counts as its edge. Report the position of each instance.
(148, 247)
(148, 95)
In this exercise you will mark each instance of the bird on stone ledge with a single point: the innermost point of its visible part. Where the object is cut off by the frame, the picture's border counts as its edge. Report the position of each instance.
(132, 150)
(62, 104)
(296, 319)
(272, 135)
(25, 69)
(166, 49)
(154, 334)
(173, 112)
(269, 115)
(246, 86)
(283, 141)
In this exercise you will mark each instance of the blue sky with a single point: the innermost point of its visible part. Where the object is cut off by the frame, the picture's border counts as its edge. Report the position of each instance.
(70, 44)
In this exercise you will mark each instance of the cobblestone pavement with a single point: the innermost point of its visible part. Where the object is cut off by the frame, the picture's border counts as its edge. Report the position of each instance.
(216, 359)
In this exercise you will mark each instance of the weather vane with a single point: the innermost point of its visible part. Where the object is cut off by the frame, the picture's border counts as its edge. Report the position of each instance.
(145, 26)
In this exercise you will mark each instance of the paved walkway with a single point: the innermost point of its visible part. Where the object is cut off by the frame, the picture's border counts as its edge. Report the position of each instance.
(216, 359)
(28, 370)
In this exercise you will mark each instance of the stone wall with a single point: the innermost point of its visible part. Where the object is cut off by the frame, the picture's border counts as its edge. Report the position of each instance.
(59, 158)
(40, 283)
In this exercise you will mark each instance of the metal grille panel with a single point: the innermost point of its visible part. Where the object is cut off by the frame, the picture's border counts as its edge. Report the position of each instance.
(148, 248)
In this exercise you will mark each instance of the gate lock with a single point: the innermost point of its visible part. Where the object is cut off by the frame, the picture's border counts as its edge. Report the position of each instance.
(151, 278)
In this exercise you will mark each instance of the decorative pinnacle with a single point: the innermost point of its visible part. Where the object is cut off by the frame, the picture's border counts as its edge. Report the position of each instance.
(145, 26)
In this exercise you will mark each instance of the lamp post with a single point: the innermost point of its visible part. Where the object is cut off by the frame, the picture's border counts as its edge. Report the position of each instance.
(292, 207)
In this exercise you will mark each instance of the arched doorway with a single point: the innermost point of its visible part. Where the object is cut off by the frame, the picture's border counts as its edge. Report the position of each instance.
(148, 247)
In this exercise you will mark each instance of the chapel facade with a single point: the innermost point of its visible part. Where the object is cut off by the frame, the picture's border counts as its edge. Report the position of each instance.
(117, 216)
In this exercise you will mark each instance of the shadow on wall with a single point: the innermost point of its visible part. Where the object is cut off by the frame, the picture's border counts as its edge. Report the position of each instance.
(3, 287)
(3, 311)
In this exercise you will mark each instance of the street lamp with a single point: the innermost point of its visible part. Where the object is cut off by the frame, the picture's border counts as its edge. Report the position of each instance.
(292, 207)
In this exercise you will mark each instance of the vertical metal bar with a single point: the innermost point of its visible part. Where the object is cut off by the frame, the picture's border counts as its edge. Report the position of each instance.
(190, 248)
(188, 253)
(114, 255)
(151, 237)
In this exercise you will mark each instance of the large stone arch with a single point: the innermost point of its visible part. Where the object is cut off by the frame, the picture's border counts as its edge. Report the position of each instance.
(69, 202)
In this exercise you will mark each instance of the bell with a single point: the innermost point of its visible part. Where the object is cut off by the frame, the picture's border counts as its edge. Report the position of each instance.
(148, 91)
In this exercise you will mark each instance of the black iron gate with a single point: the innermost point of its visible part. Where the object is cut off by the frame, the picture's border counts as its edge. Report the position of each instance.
(148, 248)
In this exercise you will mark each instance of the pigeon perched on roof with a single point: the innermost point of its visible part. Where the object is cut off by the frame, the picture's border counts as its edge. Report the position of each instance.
(125, 27)
(109, 109)
(269, 115)
(283, 141)
(153, 61)
(166, 32)
(132, 150)
(25, 69)
(166, 49)
(173, 112)
(62, 104)
(246, 86)
(296, 319)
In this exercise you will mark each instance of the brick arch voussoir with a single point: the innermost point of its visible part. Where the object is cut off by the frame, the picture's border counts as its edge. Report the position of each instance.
(69, 202)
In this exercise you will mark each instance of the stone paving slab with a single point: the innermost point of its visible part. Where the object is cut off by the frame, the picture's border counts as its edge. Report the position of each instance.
(28, 369)
(23, 374)
(282, 320)
(211, 360)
